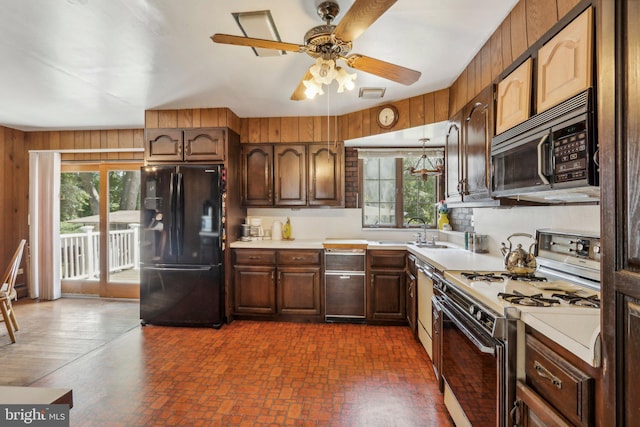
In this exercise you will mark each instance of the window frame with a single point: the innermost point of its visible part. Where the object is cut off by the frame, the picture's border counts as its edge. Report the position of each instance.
(399, 189)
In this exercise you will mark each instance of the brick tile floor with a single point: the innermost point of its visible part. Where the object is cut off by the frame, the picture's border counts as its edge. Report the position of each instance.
(255, 374)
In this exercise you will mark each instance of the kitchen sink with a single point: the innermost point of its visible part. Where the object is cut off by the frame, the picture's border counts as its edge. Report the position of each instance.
(429, 245)
(412, 242)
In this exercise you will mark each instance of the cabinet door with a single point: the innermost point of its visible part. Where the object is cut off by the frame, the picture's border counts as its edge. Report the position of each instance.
(477, 146)
(535, 411)
(163, 145)
(514, 98)
(453, 160)
(411, 304)
(298, 290)
(565, 62)
(619, 136)
(325, 175)
(386, 299)
(254, 290)
(290, 175)
(204, 144)
(257, 175)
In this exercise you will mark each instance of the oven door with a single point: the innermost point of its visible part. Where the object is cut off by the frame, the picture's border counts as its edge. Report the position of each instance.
(473, 367)
(522, 165)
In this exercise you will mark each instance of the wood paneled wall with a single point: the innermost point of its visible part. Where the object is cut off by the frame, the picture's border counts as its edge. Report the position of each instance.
(88, 139)
(528, 21)
(14, 155)
(13, 194)
(417, 111)
(192, 118)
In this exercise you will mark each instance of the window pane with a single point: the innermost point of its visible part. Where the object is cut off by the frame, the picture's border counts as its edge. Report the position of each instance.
(419, 195)
(124, 226)
(372, 169)
(79, 225)
(388, 191)
(379, 192)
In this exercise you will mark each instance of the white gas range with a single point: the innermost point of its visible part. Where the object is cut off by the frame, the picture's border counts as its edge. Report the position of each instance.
(483, 315)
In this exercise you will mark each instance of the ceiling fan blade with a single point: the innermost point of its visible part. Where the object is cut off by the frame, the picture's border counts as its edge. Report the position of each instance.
(251, 42)
(298, 94)
(389, 71)
(359, 17)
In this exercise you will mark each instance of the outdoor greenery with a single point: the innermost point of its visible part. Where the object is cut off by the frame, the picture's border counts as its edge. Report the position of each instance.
(80, 195)
(419, 195)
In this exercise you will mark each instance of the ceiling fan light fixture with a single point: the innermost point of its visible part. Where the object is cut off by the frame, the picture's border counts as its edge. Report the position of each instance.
(345, 80)
(260, 25)
(324, 71)
(313, 88)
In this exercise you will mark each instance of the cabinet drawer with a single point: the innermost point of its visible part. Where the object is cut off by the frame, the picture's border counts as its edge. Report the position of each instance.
(387, 259)
(254, 257)
(298, 257)
(341, 261)
(563, 385)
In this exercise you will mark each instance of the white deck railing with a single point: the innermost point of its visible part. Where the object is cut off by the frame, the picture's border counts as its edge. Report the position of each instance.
(80, 252)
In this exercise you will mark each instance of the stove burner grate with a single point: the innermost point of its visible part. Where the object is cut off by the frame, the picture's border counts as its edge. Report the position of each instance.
(525, 277)
(536, 300)
(570, 297)
(486, 277)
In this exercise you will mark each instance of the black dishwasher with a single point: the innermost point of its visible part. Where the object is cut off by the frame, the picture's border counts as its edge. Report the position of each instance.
(344, 281)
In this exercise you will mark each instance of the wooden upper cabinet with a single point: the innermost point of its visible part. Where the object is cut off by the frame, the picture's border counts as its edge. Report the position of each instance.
(565, 62)
(325, 175)
(453, 159)
(185, 145)
(477, 137)
(163, 145)
(290, 173)
(514, 98)
(204, 144)
(257, 173)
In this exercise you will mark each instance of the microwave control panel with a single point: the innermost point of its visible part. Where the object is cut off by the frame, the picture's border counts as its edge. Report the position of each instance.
(570, 152)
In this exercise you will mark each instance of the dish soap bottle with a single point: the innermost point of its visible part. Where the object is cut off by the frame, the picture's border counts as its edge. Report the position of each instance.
(286, 230)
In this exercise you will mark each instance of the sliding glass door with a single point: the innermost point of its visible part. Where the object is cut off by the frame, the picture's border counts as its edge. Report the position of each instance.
(99, 229)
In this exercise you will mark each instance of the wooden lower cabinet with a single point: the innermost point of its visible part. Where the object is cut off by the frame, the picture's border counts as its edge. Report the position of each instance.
(254, 290)
(559, 388)
(298, 290)
(270, 284)
(386, 290)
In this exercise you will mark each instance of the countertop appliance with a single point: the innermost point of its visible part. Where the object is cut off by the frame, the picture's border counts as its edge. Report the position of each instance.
(481, 311)
(552, 157)
(182, 277)
(345, 286)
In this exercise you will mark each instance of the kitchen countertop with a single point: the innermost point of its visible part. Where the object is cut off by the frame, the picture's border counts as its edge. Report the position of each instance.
(577, 330)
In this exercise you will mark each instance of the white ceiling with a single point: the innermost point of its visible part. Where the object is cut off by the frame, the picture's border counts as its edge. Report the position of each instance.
(99, 64)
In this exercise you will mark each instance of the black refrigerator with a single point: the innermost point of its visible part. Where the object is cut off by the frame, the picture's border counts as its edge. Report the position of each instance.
(181, 265)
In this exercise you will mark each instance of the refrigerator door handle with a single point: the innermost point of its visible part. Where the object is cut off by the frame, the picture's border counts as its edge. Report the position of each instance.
(172, 230)
(180, 215)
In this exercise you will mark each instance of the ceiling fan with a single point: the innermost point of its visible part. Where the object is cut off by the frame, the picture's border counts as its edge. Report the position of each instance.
(328, 43)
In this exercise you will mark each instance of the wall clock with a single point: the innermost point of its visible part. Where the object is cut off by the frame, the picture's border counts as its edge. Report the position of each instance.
(387, 116)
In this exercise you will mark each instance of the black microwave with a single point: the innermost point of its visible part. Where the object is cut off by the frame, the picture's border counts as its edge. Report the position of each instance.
(551, 157)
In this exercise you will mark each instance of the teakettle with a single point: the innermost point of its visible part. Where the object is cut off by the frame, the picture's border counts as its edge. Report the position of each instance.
(519, 261)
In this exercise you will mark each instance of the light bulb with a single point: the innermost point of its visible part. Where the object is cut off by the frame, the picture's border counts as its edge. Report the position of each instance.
(345, 80)
(313, 88)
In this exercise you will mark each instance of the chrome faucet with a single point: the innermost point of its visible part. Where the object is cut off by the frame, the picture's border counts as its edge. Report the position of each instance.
(424, 226)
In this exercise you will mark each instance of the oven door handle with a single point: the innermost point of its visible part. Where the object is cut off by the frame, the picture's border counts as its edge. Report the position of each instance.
(482, 343)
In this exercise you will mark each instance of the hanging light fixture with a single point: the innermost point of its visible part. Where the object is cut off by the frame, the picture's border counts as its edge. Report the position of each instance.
(324, 72)
(428, 168)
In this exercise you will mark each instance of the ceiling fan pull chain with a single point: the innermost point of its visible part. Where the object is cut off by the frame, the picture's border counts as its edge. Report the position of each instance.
(328, 124)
